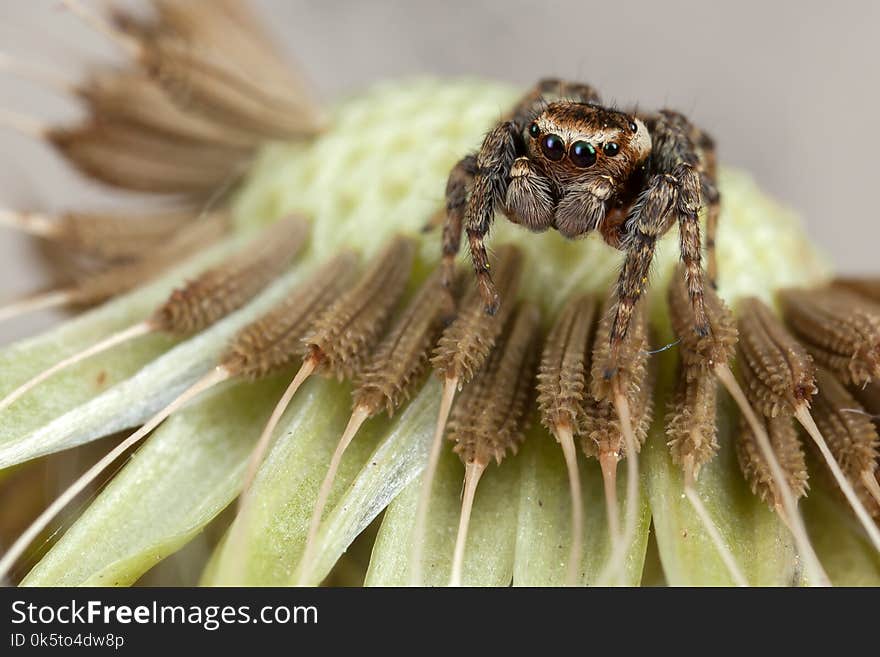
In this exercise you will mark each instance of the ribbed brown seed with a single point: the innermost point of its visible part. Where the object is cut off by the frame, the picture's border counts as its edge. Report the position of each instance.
(602, 431)
(123, 277)
(850, 434)
(400, 359)
(866, 287)
(219, 291)
(342, 336)
(562, 385)
(691, 426)
(119, 237)
(840, 329)
(276, 340)
(466, 343)
(701, 351)
(489, 419)
(601, 426)
(778, 371)
(631, 359)
(787, 448)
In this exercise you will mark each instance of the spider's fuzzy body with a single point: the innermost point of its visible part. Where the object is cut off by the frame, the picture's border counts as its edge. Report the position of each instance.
(577, 166)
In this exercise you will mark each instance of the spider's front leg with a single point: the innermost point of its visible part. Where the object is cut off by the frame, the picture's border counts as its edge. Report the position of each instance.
(488, 191)
(456, 201)
(669, 197)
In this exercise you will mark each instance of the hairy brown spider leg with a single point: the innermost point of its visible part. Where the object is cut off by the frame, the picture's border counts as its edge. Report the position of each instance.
(456, 201)
(713, 209)
(494, 161)
(673, 193)
(712, 198)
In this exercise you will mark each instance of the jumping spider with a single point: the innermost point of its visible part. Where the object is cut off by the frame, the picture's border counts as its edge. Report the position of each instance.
(577, 166)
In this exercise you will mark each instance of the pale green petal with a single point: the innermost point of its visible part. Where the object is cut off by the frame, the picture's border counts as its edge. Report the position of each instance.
(843, 549)
(544, 529)
(184, 475)
(135, 399)
(263, 546)
(398, 460)
(760, 543)
(66, 390)
(488, 557)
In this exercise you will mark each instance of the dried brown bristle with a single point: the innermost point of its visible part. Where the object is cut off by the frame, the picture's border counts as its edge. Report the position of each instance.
(489, 420)
(840, 329)
(866, 287)
(118, 237)
(691, 427)
(130, 158)
(123, 277)
(466, 343)
(632, 356)
(789, 453)
(849, 432)
(275, 340)
(253, 91)
(132, 98)
(778, 371)
(342, 336)
(562, 385)
(106, 236)
(215, 293)
(706, 351)
(400, 359)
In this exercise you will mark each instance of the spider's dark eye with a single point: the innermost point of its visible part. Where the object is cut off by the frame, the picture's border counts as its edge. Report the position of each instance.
(553, 147)
(611, 149)
(633, 127)
(582, 154)
(534, 130)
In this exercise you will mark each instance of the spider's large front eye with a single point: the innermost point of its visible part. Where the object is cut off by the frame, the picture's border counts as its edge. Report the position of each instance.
(534, 130)
(553, 147)
(582, 154)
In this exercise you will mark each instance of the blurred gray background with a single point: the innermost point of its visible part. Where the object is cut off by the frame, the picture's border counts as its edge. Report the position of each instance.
(788, 89)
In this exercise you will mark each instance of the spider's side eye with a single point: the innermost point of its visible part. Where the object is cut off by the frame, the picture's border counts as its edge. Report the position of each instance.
(611, 149)
(534, 130)
(582, 154)
(633, 126)
(553, 147)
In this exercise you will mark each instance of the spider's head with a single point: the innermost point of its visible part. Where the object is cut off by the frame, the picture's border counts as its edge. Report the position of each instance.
(577, 140)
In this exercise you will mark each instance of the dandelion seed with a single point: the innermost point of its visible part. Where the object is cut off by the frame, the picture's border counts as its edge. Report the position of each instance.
(120, 278)
(561, 396)
(618, 414)
(341, 337)
(840, 329)
(489, 420)
(385, 382)
(306, 300)
(462, 350)
(209, 297)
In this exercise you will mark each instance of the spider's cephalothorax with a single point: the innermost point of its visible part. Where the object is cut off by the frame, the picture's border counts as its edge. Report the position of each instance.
(577, 166)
